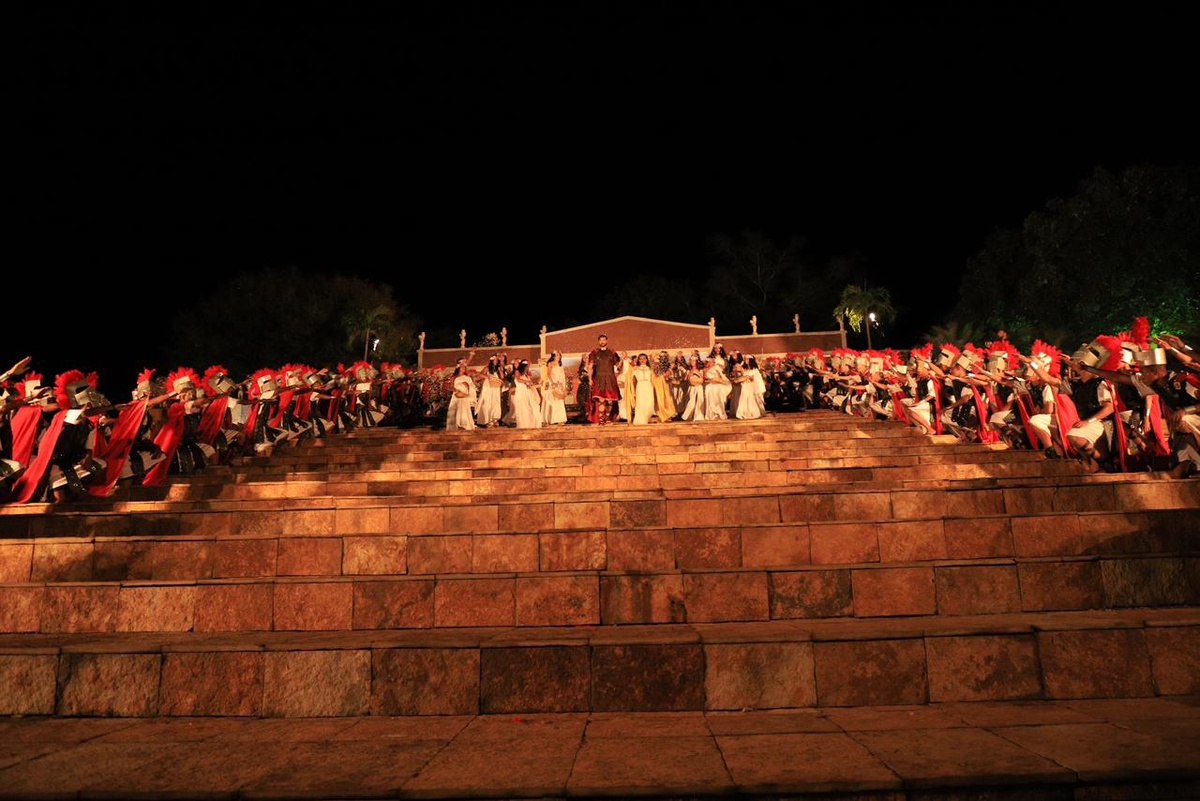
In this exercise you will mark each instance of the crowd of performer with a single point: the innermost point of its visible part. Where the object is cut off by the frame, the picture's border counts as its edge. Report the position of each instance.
(1121, 403)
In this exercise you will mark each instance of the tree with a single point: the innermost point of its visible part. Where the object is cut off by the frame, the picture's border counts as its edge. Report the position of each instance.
(752, 274)
(275, 316)
(367, 325)
(1123, 246)
(858, 303)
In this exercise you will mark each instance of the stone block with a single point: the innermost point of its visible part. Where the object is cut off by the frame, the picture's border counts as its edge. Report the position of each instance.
(572, 550)
(746, 676)
(535, 679)
(977, 589)
(27, 684)
(726, 596)
(484, 517)
(806, 507)
(186, 560)
(504, 553)
(986, 668)
(313, 684)
(1050, 586)
(1159, 581)
(1047, 535)
(635, 599)
(16, 562)
(425, 681)
(314, 606)
(638, 514)
(810, 594)
(80, 608)
(776, 546)
(109, 685)
(1096, 663)
(911, 541)
(234, 607)
(374, 555)
(156, 608)
(119, 560)
(581, 514)
(450, 553)
(221, 683)
(474, 602)
(893, 591)
(843, 543)
(647, 550)
(415, 520)
(62, 561)
(1174, 659)
(871, 672)
(244, 558)
(21, 608)
(978, 538)
(712, 547)
(648, 678)
(694, 512)
(558, 600)
(393, 604)
(310, 556)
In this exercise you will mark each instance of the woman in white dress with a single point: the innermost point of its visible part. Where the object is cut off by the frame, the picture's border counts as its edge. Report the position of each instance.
(623, 368)
(460, 414)
(752, 402)
(641, 389)
(488, 408)
(526, 398)
(554, 391)
(716, 390)
(693, 405)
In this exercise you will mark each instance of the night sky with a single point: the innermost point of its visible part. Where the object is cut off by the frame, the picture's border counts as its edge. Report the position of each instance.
(485, 159)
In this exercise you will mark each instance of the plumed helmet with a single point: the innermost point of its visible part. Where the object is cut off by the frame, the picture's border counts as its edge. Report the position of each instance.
(1103, 353)
(1151, 356)
(948, 355)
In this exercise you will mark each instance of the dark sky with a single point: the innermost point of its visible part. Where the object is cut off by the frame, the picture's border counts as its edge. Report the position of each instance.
(487, 159)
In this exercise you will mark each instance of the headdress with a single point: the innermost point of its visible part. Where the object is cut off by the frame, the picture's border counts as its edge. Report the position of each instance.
(1103, 352)
(947, 355)
(1046, 356)
(182, 379)
(217, 381)
(263, 385)
(74, 390)
(1002, 355)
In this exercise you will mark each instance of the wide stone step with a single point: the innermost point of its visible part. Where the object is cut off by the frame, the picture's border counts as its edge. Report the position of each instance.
(329, 602)
(1132, 653)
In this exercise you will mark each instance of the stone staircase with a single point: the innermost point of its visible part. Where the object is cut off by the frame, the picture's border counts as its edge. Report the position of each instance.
(797, 561)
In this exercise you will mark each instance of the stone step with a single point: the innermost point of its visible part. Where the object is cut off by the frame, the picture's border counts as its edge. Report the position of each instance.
(491, 597)
(781, 665)
(307, 509)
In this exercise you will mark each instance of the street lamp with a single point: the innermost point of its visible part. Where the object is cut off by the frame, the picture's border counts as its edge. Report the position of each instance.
(870, 322)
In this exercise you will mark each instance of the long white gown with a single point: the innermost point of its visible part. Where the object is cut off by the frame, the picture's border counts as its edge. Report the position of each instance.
(460, 413)
(693, 407)
(752, 398)
(488, 408)
(643, 394)
(716, 394)
(554, 408)
(526, 405)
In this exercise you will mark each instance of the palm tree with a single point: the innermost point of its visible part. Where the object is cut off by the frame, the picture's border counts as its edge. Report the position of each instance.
(376, 321)
(859, 303)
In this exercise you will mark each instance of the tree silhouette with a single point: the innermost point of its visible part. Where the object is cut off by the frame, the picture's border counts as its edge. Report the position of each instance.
(858, 302)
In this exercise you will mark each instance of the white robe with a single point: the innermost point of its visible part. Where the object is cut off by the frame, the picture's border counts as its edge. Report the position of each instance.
(752, 398)
(526, 405)
(488, 409)
(643, 394)
(554, 409)
(460, 414)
